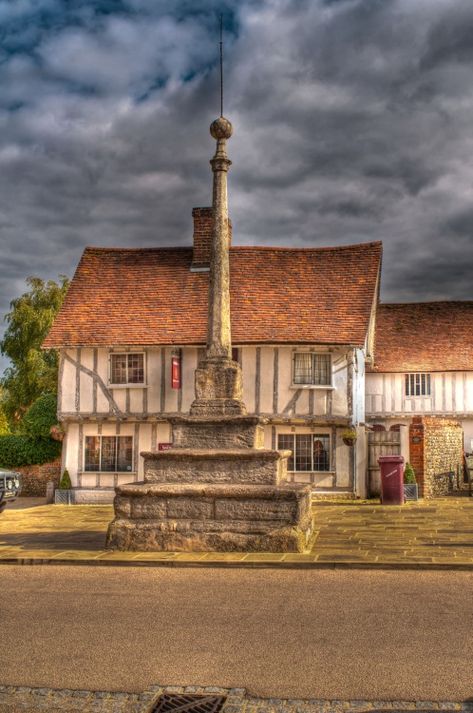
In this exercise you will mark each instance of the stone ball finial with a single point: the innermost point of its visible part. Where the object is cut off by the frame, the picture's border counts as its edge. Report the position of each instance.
(221, 128)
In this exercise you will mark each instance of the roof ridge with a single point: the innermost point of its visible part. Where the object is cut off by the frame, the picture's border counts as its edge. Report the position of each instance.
(427, 302)
(275, 248)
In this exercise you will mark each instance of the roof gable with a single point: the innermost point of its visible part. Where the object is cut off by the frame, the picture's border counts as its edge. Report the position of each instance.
(278, 295)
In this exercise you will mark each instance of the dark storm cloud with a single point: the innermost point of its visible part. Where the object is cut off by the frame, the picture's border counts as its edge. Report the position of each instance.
(352, 122)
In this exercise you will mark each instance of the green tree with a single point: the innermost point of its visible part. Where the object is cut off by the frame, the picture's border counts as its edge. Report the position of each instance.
(33, 371)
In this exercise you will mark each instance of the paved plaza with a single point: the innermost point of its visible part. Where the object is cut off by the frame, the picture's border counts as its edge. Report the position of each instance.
(432, 533)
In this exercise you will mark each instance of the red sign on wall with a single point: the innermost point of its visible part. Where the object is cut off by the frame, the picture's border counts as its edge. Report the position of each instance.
(164, 446)
(176, 371)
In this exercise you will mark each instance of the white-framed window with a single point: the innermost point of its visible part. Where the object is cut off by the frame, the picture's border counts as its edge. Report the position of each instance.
(108, 454)
(311, 369)
(418, 384)
(127, 368)
(310, 451)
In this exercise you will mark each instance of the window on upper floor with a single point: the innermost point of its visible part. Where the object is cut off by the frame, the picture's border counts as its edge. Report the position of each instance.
(127, 368)
(418, 384)
(310, 451)
(108, 454)
(312, 369)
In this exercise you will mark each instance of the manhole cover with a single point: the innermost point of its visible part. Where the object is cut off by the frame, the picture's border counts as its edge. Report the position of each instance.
(171, 703)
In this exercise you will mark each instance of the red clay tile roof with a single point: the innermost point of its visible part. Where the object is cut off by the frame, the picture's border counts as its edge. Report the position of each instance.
(425, 336)
(278, 295)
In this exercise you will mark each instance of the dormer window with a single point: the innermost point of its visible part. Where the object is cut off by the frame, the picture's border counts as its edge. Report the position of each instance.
(418, 384)
(311, 369)
(127, 368)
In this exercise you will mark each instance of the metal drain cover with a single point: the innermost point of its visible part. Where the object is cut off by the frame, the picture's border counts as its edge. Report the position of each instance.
(171, 703)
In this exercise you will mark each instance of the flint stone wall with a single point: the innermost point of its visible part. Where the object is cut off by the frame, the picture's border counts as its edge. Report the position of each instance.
(436, 454)
(35, 477)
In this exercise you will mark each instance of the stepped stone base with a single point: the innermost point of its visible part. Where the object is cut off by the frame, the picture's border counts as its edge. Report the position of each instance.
(218, 517)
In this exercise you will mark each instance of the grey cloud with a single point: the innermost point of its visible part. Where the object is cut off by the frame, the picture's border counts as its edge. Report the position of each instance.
(351, 122)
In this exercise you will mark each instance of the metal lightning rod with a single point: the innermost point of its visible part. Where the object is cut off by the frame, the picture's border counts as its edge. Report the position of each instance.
(221, 65)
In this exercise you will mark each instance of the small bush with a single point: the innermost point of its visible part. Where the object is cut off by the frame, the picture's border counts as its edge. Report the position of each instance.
(409, 475)
(40, 416)
(24, 450)
(65, 482)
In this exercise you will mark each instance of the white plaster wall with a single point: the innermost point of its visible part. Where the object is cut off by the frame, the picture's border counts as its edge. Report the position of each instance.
(340, 383)
(68, 386)
(451, 393)
(248, 365)
(266, 379)
(136, 399)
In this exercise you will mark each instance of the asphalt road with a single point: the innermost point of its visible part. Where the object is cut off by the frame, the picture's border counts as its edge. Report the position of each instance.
(304, 634)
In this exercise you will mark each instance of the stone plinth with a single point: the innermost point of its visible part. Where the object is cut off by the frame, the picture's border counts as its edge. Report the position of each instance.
(224, 517)
(218, 388)
(217, 431)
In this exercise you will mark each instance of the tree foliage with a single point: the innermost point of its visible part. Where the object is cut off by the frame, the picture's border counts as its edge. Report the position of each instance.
(33, 372)
(18, 450)
(40, 416)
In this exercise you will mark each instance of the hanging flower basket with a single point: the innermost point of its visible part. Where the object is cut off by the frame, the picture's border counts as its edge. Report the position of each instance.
(56, 433)
(349, 437)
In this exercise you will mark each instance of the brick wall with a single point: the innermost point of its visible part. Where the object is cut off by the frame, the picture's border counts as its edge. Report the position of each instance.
(435, 452)
(35, 477)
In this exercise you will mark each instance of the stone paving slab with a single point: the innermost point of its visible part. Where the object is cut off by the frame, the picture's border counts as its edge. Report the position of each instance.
(39, 700)
(435, 534)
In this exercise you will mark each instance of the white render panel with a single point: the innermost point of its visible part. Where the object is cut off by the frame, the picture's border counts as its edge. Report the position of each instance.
(340, 384)
(71, 445)
(266, 379)
(86, 381)
(248, 357)
(102, 370)
(153, 379)
(285, 393)
(302, 404)
(136, 400)
(68, 387)
(163, 434)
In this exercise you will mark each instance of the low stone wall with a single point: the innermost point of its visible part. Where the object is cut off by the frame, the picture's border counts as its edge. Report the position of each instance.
(35, 477)
(436, 454)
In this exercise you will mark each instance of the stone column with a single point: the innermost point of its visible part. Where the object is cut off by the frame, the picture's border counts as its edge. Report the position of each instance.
(218, 382)
(219, 342)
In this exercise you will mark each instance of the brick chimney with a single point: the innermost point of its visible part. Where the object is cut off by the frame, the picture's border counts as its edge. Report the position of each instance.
(203, 237)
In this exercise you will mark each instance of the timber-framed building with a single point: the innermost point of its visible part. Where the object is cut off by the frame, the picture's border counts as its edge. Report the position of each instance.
(133, 327)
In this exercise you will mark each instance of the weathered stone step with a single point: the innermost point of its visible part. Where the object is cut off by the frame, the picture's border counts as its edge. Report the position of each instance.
(223, 465)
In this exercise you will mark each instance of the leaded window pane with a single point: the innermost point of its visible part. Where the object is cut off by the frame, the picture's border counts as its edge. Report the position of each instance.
(303, 372)
(108, 457)
(92, 453)
(321, 452)
(136, 372)
(286, 443)
(311, 452)
(303, 456)
(118, 369)
(125, 453)
(322, 369)
(418, 384)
